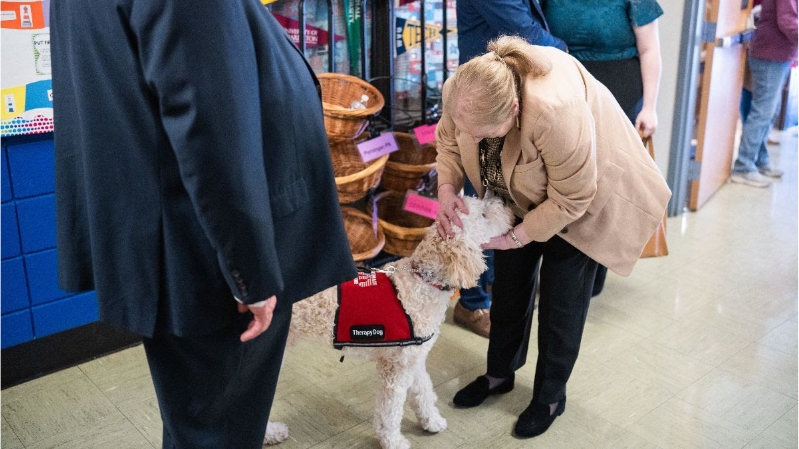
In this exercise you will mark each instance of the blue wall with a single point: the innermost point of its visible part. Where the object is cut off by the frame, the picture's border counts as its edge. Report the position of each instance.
(32, 304)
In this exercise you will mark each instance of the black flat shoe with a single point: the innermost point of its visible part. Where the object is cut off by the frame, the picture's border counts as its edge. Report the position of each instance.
(535, 419)
(476, 392)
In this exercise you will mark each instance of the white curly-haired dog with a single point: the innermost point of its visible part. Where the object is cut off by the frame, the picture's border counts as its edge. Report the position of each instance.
(456, 262)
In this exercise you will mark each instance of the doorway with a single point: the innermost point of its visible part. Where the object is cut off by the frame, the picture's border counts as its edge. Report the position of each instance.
(708, 95)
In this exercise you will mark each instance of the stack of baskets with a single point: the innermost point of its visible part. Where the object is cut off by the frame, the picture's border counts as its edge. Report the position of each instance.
(345, 126)
(339, 92)
(405, 170)
(403, 230)
(354, 177)
(407, 166)
(364, 242)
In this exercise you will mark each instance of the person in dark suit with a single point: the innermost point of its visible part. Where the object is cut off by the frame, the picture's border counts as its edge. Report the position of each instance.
(478, 23)
(195, 194)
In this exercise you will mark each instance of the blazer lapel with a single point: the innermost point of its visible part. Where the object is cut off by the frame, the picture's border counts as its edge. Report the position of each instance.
(511, 149)
(471, 161)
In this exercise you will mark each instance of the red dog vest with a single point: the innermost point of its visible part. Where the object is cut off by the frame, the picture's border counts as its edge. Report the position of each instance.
(370, 314)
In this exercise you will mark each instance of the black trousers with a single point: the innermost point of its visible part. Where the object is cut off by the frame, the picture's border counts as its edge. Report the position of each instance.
(567, 278)
(214, 391)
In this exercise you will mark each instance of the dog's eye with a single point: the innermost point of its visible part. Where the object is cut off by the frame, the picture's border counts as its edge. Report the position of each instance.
(483, 214)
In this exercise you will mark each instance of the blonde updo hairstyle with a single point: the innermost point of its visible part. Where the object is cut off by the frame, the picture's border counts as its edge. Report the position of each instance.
(484, 88)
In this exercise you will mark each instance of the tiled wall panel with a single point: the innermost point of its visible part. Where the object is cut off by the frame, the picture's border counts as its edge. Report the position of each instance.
(43, 277)
(32, 304)
(65, 314)
(10, 238)
(36, 218)
(17, 328)
(14, 288)
(32, 168)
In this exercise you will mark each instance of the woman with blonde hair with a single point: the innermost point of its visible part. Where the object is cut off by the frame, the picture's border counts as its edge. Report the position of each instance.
(531, 125)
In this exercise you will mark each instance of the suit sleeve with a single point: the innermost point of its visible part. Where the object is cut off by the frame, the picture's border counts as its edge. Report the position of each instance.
(199, 63)
(564, 133)
(512, 17)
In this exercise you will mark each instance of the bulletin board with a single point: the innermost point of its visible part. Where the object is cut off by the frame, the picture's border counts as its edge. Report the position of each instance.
(26, 88)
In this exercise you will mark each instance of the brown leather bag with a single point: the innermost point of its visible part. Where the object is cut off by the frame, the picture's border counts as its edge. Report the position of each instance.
(656, 246)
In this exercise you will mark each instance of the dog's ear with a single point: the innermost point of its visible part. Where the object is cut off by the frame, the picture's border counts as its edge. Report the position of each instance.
(463, 261)
(458, 261)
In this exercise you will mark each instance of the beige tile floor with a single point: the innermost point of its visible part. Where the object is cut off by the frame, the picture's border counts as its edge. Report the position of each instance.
(695, 350)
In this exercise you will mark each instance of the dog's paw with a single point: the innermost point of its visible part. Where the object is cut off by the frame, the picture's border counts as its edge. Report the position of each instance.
(276, 432)
(434, 424)
(398, 442)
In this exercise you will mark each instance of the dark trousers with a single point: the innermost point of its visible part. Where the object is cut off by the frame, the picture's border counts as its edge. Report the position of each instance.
(567, 278)
(214, 391)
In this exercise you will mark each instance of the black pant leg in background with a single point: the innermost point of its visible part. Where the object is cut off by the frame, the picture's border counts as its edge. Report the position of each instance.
(215, 392)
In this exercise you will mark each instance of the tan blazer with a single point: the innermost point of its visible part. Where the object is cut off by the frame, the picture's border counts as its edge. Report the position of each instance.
(577, 165)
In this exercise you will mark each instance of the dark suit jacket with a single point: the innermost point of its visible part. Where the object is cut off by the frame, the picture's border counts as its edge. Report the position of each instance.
(479, 21)
(191, 163)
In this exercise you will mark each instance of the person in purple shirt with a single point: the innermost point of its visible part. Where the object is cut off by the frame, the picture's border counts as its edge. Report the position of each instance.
(771, 53)
(478, 23)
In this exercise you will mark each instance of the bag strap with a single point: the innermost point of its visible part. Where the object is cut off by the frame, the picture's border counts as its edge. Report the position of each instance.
(647, 141)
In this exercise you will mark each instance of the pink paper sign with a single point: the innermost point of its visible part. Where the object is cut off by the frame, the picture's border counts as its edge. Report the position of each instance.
(425, 133)
(374, 148)
(421, 205)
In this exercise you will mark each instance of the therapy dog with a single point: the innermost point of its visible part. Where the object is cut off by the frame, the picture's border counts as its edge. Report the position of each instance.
(424, 284)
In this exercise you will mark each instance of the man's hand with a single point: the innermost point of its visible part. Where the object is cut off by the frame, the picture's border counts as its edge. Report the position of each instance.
(261, 318)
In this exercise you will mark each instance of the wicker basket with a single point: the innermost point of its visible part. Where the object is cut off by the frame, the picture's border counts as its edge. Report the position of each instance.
(348, 147)
(354, 177)
(407, 166)
(364, 244)
(404, 230)
(338, 92)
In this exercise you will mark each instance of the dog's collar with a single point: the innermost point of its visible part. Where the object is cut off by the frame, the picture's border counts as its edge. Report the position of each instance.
(429, 279)
(422, 274)
(432, 283)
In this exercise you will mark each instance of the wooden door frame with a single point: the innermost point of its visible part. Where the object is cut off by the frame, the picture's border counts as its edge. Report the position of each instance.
(683, 174)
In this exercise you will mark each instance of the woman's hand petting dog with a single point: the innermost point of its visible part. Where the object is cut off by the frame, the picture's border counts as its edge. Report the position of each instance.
(449, 203)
